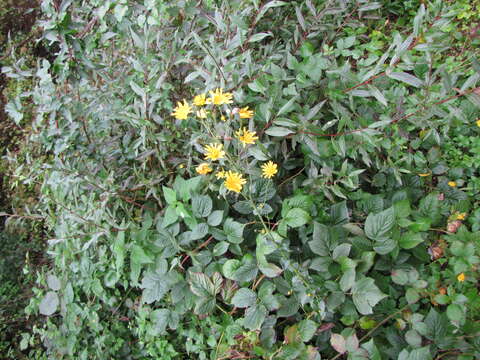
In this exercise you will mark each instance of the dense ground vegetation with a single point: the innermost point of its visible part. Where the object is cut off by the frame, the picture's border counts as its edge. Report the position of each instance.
(251, 179)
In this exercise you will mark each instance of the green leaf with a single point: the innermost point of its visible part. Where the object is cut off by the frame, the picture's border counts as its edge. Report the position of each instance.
(199, 231)
(118, 250)
(220, 248)
(261, 191)
(378, 225)
(201, 285)
(455, 313)
(233, 230)
(406, 78)
(160, 320)
(170, 195)
(321, 241)
(243, 298)
(297, 217)
(170, 216)
(338, 343)
(373, 352)
(229, 268)
(278, 131)
(409, 240)
(339, 213)
(254, 317)
(366, 295)
(155, 284)
(260, 36)
(53, 282)
(215, 218)
(269, 270)
(49, 304)
(402, 208)
(307, 329)
(201, 206)
(287, 107)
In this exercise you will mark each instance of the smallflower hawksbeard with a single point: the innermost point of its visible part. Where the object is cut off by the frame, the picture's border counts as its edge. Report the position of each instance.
(181, 111)
(246, 137)
(234, 181)
(214, 152)
(200, 100)
(269, 169)
(203, 169)
(218, 97)
(244, 113)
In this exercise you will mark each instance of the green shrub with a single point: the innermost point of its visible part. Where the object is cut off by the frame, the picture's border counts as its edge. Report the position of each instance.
(364, 244)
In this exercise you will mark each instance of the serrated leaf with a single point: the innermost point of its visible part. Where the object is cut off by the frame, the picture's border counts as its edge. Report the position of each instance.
(244, 298)
(233, 230)
(201, 206)
(254, 317)
(307, 329)
(296, 217)
(378, 225)
(366, 295)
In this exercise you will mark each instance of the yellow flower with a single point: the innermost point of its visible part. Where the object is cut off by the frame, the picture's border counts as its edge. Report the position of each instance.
(200, 100)
(203, 169)
(221, 174)
(214, 152)
(245, 113)
(223, 118)
(202, 114)
(246, 137)
(181, 111)
(478, 122)
(234, 181)
(424, 174)
(452, 183)
(218, 97)
(269, 169)
(461, 216)
(461, 277)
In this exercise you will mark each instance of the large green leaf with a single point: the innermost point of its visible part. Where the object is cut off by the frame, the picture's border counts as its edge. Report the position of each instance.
(254, 317)
(297, 217)
(243, 298)
(366, 295)
(377, 226)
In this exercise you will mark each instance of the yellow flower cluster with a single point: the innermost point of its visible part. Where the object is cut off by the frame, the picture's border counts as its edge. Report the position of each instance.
(232, 180)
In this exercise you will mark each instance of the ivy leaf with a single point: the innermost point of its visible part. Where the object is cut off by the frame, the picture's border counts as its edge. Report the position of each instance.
(378, 225)
(244, 297)
(49, 303)
(366, 295)
(254, 317)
